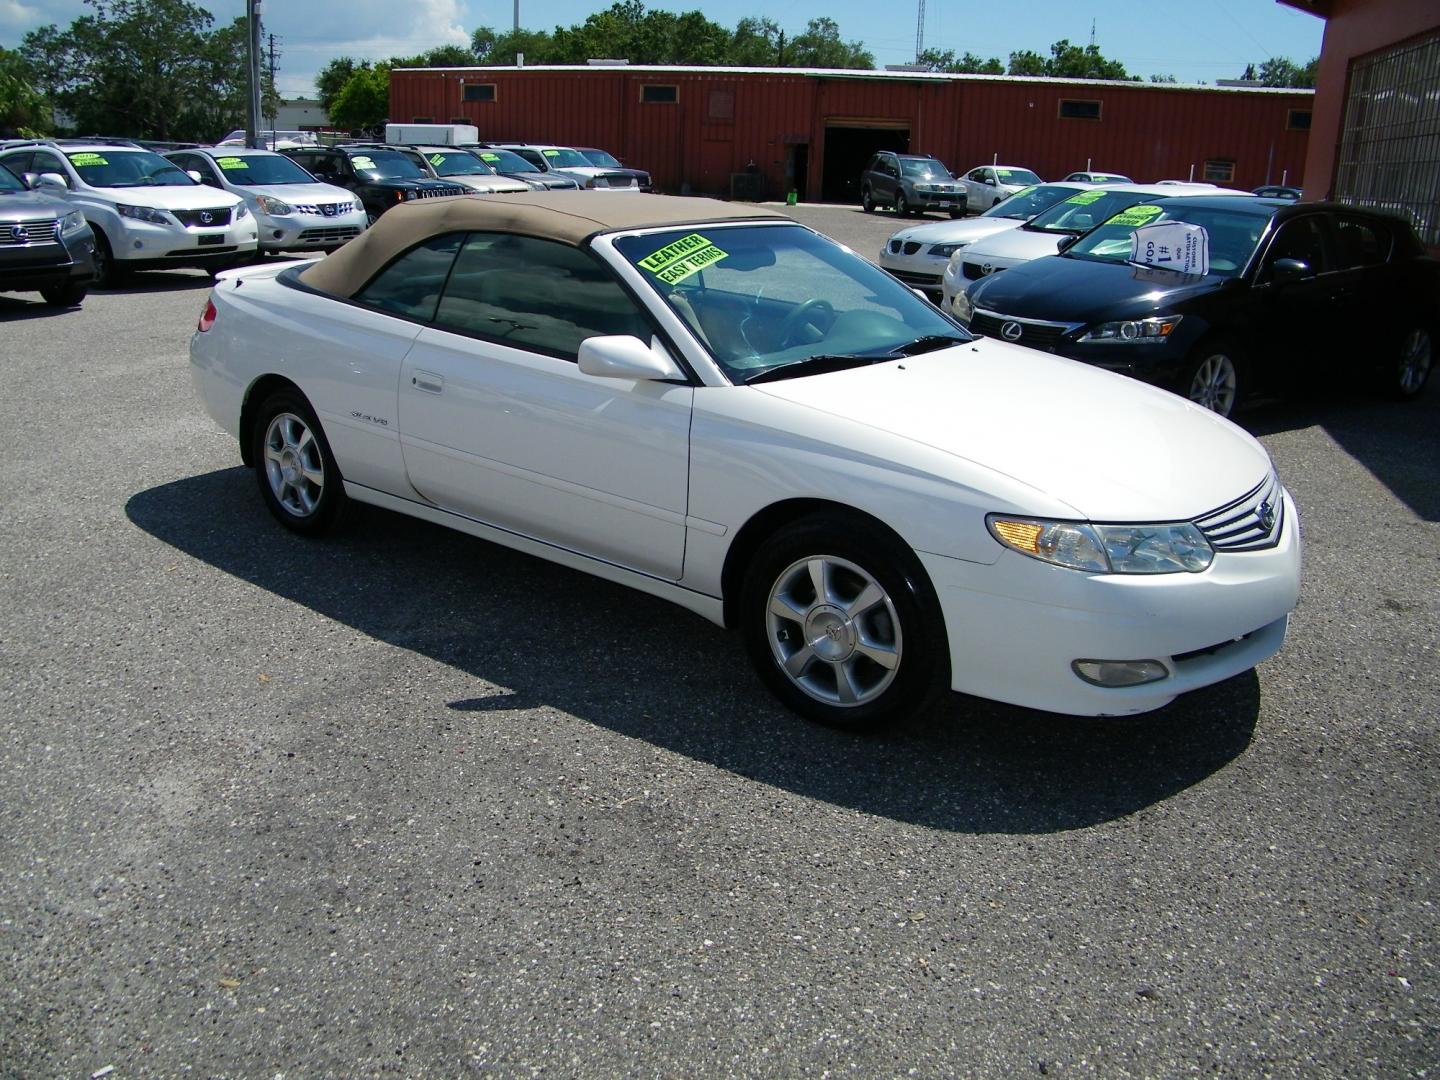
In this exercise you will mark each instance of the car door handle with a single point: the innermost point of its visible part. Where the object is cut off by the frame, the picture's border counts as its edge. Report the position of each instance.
(428, 381)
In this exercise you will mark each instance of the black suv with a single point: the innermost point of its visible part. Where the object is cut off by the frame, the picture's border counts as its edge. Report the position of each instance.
(379, 176)
(45, 244)
(910, 183)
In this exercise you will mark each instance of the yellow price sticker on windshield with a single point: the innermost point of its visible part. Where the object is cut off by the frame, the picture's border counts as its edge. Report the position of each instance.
(489, 157)
(437, 160)
(689, 255)
(81, 160)
(1085, 198)
(1136, 216)
(230, 162)
(551, 153)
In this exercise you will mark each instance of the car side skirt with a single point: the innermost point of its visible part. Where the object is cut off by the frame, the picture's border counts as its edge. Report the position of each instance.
(708, 607)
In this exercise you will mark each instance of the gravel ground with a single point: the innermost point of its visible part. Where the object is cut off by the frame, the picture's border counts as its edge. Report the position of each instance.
(407, 804)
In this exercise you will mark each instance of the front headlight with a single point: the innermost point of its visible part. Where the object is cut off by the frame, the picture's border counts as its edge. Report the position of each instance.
(143, 213)
(961, 307)
(72, 221)
(1106, 549)
(242, 212)
(356, 205)
(944, 251)
(272, 205)
(1153, 331)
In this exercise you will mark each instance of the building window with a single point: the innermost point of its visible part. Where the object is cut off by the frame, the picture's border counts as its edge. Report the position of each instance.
(1079, 110)
(1218, 172)
(1389, 156)
(479, 92)
(722, 105)
(423, 120)
(659, 95)
(459, 120)
(1298, 120)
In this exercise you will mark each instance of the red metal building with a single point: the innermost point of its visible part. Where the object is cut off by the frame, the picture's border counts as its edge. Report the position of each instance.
(812, 130)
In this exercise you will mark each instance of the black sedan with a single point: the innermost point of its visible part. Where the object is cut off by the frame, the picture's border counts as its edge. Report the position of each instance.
(1291, 290)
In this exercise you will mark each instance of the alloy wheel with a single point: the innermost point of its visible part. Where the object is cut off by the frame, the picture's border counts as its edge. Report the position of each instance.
(294, 464)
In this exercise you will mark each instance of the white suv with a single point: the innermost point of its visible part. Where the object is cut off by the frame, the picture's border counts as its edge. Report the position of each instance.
(145, 212)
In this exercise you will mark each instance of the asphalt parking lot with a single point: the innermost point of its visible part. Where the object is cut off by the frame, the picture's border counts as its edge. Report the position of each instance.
(403, 803)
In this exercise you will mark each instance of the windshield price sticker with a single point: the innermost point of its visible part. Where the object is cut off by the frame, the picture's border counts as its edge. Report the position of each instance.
(489, 157)
(689, 255)
(81, 160)
(437, 160)
(551, 153)
(1136, 216)
(1172, 245)
(230, 162)
(1085, 198)
(361, 162)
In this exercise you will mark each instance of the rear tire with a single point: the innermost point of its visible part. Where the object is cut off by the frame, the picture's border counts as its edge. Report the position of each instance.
(841, 623)
(957, 214)
(298, 477)
(867, 201)
(65, 296)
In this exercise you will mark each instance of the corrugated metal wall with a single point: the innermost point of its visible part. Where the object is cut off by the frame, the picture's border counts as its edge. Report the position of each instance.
(720, 120)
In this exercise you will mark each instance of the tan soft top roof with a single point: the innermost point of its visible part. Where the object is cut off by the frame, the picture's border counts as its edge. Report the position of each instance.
(570, 217)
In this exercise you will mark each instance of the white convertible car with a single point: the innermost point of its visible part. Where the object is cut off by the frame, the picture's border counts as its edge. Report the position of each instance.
(718, 406)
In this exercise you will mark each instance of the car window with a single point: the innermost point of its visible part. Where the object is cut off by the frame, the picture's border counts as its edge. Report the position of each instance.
(1084, 210)
(46, 162)
(9, 181)
(19, 163)
(1232, 236)
(535, 294)
(1360, 243)
(456, 163)
(410, 286)
(201, 165)
(1298, 239)
(1017, 176)
(262, 169)
(385, 165)
(925, 169)
(506, 161)
(1027, 202)
(562, 157)
(112, 168)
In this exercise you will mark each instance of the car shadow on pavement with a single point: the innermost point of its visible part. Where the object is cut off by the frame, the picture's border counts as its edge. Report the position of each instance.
(1398, 442)
(537, 634)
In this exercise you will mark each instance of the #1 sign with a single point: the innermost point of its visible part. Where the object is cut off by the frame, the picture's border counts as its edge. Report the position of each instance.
(1172, 245)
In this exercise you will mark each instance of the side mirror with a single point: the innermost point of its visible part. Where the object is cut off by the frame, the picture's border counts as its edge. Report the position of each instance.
(194, 174)
(1285, 270)
(50, 181)
(1067, 242)
(989, 182)
(621, 356)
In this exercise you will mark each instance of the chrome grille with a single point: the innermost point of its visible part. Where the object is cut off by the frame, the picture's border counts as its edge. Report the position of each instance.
(1250, 523)
(975, 271)
(435, 193)
(911, 277)
(203, 219)
(20, 233)
(334, 234)
(1033, 333)
(329, 209)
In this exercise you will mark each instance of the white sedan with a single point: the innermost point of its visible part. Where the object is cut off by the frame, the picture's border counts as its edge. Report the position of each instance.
(987, 185)
(718, 406)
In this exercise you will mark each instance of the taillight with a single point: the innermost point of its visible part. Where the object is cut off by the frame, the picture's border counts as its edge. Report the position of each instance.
(207, 317)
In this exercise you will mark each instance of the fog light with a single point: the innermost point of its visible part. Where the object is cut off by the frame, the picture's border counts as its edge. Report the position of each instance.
(1120, 672)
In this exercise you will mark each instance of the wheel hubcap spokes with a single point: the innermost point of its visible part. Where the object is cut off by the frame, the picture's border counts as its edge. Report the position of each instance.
(1214, 384)
(1414, 361)
(834, 631)
(293, 464)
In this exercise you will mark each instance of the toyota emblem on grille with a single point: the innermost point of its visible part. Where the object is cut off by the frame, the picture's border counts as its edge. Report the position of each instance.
(20, 233)
(1011, 331)
(206, 217)
(1266, 513)
(987, 269)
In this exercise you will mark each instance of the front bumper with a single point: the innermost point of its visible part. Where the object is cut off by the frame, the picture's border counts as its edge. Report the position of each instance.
(308, 232)
(1015, 627)
(27, 267)
(920, 270)
(145, 245)
(937, 200)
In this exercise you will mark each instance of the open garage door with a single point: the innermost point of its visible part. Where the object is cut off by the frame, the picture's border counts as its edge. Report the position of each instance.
(848, 146)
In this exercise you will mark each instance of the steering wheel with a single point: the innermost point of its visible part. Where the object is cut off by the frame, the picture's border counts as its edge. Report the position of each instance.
(816, 315)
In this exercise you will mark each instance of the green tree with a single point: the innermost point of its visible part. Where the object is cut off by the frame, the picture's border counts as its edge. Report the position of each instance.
(364, 101)
(1159, 78)
(1027, 62)
(440, 56)
(1067, 61)
(332, 78)
(969, 64)
(820, 46)
(1282, 71)
(757, 42)
(24, 110)
(490, 47)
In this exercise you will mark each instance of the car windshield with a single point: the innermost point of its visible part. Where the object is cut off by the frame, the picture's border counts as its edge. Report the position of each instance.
(602, 159)
(385, 165)
(1083, 211)
(506, 161)
(779, 300)
(561, 157)
(9, 181)
(247, 169)
(457, 163)
(1016, 176)
(924, 169)
(116, 168)
(1232, 236)
(1027, 202)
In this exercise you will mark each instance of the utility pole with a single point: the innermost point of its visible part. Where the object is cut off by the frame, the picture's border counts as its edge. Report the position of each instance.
(271, 113)
(252, 120)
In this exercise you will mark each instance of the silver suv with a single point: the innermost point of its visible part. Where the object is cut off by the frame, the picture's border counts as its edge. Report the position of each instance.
(145, 212)
(44, 245)
(912, 183)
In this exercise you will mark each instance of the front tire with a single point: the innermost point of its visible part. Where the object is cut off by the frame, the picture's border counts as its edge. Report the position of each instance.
(902, 205)
(1412, 366)
(841, 623)
(867, 201)
(108, 274)
(65, 296)
(1213, 377)
(298, 477)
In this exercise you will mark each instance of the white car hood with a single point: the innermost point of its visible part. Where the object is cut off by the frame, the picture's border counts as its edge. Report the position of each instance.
(305, 194)
(957, 232)
(1015, 245)
(1110, 447)
(198, 197)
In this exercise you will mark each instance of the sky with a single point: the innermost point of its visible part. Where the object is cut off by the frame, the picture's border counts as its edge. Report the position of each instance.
(1196, 41)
